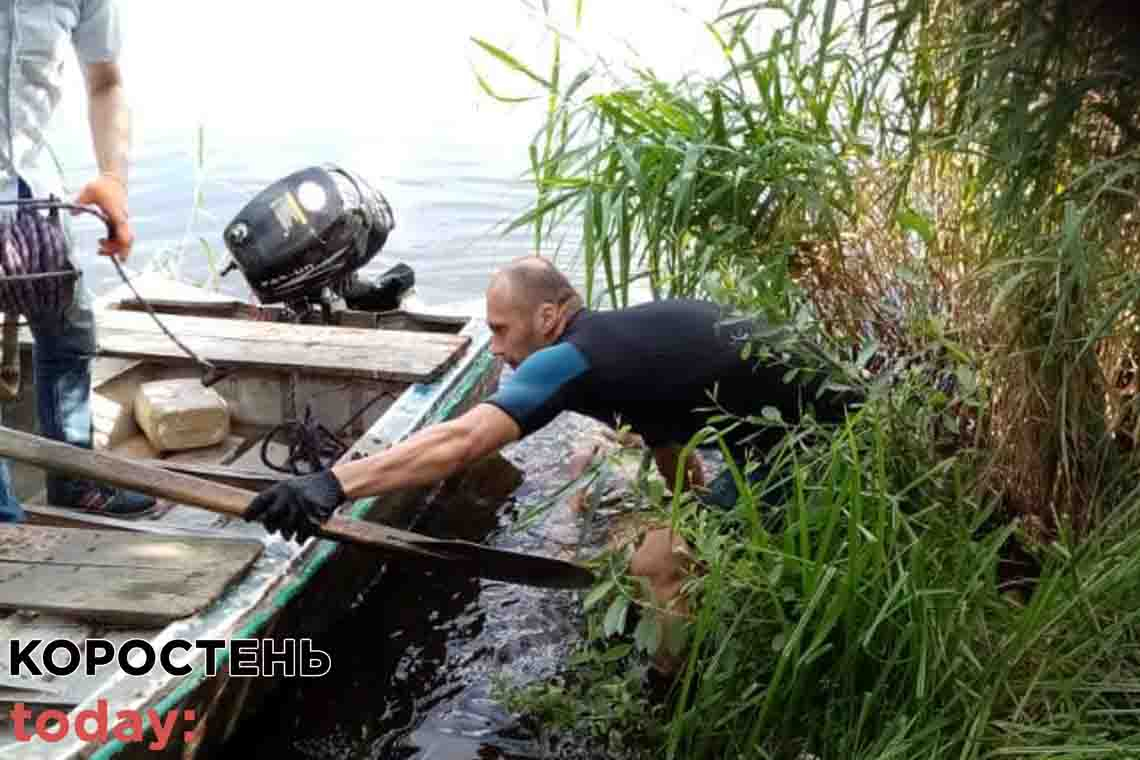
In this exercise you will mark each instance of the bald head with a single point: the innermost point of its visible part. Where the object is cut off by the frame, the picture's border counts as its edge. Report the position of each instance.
(529, 304)
(531, 281)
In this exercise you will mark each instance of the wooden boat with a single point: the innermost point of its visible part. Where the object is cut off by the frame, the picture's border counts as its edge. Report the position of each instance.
(190, 574)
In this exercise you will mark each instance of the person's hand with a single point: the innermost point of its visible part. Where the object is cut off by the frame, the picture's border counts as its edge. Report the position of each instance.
(695, 471)
(297, 507)
(109, 193)
(580, 460)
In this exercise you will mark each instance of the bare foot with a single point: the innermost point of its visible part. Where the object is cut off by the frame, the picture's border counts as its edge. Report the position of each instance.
(664, 560)
(579, 461)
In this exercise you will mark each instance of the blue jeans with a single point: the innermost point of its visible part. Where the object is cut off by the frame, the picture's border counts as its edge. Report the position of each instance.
(722, 492)
(62, 351)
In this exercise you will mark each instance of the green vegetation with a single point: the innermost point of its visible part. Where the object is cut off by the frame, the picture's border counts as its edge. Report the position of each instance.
(942, 194)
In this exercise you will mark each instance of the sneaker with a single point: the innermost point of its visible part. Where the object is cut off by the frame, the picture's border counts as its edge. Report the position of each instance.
(114, 502)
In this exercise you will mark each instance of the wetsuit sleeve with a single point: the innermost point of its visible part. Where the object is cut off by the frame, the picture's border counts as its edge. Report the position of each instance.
(542, 386)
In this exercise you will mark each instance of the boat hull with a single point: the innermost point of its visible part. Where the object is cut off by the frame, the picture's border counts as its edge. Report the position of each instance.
(316, 587)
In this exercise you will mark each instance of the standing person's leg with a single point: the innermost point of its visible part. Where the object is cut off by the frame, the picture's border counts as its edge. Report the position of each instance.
(64, 349)
(10, 509)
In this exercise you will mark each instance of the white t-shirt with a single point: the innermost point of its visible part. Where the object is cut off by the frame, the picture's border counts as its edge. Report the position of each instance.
(34, 40)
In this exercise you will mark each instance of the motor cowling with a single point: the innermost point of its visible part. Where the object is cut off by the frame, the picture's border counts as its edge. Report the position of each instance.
(306, 232)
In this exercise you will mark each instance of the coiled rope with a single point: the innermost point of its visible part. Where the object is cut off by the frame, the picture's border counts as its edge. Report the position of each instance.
(33, 249)
(310, 443)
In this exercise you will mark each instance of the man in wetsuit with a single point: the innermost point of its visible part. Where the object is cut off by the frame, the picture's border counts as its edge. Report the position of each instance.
(655, 367)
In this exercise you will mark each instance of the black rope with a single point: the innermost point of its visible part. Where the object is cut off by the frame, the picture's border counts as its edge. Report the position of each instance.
(209, 371)
(359, 412)
(311, 443)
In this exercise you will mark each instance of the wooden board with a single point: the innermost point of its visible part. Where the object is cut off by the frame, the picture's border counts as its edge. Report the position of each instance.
(316, 349)
(108, 369)
(115, 576)
(158, 285)
(48, 691)
(45, 690)
(219, 453)
(39, 514)
(239, 477)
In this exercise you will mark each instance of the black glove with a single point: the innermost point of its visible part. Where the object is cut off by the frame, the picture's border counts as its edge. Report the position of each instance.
(298, 506)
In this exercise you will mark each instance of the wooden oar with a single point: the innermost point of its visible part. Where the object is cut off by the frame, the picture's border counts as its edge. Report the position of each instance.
(464, 556)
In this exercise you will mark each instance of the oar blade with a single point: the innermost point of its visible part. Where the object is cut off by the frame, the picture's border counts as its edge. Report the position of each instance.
(463, 557)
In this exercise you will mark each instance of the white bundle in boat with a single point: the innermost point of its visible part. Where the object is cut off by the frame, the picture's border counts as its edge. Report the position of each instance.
(181, 414)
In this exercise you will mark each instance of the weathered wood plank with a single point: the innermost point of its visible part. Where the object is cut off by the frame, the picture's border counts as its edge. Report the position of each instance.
(38, 514)
(158, 285)
(63, 545)
(44, 690)
(142, 596)
(197, 308)
(280, 332)
(59, 517)
(478, 559)
(108, 369)
(116, 577)
(219, 453)
(47, 690)
(340, 351)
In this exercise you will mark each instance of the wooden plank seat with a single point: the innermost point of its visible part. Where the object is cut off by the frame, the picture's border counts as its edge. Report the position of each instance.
(116, 577)
(351, 352)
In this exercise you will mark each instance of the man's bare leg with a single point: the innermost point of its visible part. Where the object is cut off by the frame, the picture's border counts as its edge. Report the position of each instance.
(663, 560)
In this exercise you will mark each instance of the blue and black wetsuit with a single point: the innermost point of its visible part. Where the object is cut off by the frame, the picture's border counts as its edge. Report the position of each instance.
(656, 367)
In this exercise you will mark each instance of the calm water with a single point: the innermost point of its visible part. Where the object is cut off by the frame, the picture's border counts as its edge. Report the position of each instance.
(415, 663)
(387, 90)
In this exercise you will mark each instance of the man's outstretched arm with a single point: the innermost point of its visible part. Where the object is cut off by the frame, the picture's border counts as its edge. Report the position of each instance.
(296, 507)
(431, 455)
(532, 397)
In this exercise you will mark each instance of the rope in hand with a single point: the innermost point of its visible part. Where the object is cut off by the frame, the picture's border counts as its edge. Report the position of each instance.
(209, 371)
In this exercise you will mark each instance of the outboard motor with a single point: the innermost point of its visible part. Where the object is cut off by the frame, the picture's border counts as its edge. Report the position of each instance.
(300, 240)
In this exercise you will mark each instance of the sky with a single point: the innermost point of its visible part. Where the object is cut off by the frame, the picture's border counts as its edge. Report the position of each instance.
(274, 66)
(385, 88)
